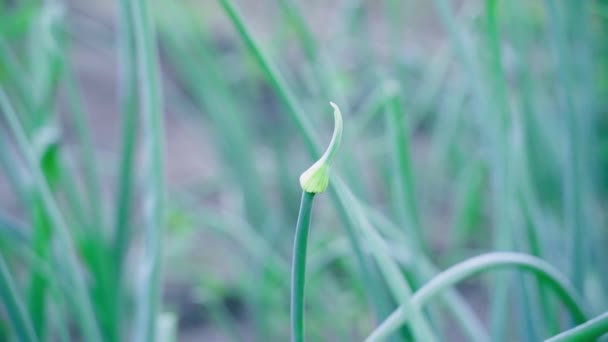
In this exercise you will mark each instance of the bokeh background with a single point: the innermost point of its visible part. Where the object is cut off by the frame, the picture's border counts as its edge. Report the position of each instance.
(139, 136)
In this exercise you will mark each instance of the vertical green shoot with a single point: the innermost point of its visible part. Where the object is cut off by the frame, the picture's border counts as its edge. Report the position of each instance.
(148, 296)
(128, 99)
(298, 275)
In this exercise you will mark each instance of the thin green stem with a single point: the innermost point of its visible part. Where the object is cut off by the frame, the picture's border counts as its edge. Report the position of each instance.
(500, 178)
(298, 270)
(128, 98)
(588, 331)
(14, 307)
(152, 135)
(124, 191)
(42, 235)
(477, 265)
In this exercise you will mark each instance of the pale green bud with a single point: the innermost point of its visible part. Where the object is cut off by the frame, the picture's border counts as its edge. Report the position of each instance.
(316, 178)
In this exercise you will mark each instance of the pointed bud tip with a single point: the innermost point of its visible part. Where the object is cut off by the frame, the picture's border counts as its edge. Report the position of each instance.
(316, 178)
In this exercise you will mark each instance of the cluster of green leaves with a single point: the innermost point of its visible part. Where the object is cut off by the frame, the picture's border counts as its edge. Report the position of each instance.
(492, 141)
(63, 263)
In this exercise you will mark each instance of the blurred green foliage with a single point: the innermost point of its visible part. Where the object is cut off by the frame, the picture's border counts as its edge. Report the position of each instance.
(469, 126)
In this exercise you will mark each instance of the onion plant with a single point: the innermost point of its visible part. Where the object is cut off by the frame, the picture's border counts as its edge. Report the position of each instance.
(313, 181)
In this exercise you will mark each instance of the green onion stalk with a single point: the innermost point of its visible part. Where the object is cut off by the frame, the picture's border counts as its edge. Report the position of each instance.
(313, 181)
